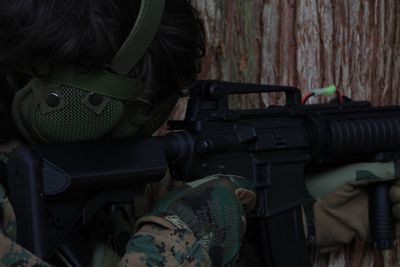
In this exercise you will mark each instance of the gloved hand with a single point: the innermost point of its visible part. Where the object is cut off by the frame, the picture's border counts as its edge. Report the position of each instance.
(337, 209)
(201, 219)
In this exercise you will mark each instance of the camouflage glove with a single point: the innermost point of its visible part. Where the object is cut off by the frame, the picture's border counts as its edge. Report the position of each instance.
(337, 206)
(199, 223)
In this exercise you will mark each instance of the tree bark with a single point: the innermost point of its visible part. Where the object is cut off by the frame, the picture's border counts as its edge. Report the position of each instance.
(354, 44)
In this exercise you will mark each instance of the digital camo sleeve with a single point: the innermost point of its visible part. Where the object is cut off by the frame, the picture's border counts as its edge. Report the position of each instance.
(155, 245)
(12, 254)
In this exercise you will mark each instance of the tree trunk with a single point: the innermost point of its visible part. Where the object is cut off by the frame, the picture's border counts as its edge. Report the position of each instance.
(354, 44)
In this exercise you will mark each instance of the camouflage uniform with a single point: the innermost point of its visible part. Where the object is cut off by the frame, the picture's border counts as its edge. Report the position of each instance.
(152, 245)
(12, 254)
(155, 245)
(199, 224)
(338, 201)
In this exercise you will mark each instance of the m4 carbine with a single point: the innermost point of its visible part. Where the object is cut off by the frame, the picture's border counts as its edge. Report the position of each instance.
(57, 188)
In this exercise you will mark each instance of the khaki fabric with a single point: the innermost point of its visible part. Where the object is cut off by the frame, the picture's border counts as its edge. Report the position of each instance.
(340, 210)
(341, 216)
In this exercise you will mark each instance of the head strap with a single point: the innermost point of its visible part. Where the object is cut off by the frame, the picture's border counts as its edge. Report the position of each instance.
(140, 37)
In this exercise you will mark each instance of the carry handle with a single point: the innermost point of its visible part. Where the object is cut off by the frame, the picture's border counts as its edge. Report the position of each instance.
(219, 89)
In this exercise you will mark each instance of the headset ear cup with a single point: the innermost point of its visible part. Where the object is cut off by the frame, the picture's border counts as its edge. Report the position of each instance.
(50, 112)
(81, 118)
(70, 107)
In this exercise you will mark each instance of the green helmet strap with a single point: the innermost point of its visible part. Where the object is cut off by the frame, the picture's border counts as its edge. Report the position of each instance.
(140, 37)
(101, 82)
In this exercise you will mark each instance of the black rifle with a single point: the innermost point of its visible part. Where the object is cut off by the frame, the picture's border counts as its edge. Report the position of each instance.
(56, 188)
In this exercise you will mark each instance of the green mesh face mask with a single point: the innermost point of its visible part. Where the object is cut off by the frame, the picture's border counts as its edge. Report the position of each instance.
(71, 105)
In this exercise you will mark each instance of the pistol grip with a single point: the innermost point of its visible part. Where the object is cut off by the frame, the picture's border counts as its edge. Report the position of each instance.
(380, 216)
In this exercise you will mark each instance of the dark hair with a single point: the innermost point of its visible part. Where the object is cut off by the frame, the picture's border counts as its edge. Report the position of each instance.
(89, 33)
